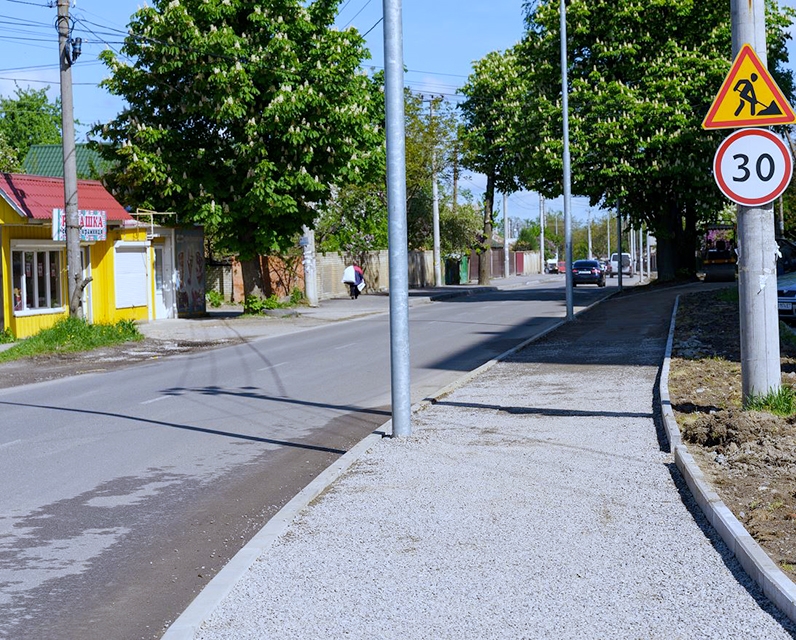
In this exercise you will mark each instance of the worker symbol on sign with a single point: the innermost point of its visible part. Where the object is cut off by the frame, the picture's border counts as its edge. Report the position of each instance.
(746, 92)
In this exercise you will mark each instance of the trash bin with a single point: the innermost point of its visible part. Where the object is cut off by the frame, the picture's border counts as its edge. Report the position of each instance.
(452, 271)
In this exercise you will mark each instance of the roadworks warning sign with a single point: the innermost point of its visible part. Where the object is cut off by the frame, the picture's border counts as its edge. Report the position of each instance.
(749, 97)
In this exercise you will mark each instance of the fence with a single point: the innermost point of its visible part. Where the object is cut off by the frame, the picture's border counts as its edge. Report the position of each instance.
(227, 280)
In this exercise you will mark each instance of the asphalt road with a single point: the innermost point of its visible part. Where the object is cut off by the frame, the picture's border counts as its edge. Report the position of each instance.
(125, 492)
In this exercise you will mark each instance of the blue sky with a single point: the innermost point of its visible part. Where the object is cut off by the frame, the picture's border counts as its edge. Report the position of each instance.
(441, 40)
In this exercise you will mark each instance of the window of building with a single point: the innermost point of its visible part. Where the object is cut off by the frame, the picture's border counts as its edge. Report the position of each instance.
(37, 280)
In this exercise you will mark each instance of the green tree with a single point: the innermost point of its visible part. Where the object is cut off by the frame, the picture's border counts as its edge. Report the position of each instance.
(459, 228)
(354, 221)
(642, 76)
(357, 216)
(490, 111)
(241, 116)
(26, 119)
(528, 237)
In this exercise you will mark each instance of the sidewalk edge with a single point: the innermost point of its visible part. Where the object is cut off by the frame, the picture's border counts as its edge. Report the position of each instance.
(755, 561)
(189, 621)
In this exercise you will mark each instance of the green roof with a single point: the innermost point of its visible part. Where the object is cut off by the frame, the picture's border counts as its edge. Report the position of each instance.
(48, 160)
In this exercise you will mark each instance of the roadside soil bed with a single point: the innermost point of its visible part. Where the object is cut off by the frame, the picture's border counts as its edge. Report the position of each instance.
(749, 456)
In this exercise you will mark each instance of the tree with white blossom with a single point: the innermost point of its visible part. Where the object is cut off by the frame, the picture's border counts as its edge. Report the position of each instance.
(642, 76)
(240, 115)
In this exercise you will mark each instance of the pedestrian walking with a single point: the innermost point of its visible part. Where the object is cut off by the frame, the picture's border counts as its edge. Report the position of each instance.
(354, 278)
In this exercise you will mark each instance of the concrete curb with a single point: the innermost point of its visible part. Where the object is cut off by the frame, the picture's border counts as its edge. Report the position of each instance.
(758, 565)
(186, 626)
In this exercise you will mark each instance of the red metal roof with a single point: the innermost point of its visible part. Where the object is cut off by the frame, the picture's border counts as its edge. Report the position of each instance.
(37, 196)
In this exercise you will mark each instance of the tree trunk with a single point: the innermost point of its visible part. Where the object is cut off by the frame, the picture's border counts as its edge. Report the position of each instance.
(687, 243)
(253, 278)
(667, 244)
(485, 254)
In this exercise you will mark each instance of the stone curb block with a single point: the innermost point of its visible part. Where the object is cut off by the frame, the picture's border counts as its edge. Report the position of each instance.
(755, 561)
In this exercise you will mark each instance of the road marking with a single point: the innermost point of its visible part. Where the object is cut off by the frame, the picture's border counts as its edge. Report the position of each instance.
(272, 366)
(156, 399)
(8, 444)
(345, 346)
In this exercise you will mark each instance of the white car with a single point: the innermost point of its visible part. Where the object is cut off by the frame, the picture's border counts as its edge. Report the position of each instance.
(627, 265)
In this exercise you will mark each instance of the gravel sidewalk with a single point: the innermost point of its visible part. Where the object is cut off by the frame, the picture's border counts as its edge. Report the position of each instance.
(535, 501)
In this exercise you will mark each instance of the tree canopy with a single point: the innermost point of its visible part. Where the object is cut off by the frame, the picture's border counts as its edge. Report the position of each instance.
(642, 76)
(493, 98)
(241, 115)
(26, 119)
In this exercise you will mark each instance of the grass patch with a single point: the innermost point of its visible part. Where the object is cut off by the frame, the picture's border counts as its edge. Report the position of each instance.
(730, 294)
(781, 402)
(70, 335)
(786, 334)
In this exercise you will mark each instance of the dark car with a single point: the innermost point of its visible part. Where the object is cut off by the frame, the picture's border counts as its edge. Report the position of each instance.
(786, 295)
(587, 272)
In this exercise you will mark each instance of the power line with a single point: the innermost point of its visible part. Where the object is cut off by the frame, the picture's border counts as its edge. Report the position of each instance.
(49, 5)
(373, 27)
(357, 13)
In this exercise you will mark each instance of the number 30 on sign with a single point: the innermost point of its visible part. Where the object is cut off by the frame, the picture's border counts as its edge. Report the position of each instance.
(752, 167)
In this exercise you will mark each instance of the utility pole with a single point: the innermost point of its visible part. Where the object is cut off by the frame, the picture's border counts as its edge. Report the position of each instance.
(74, 267)
(757, 268)
(618, 246)
(608, 236)
(397, 225)
(542, 223)
(505, 236)
(438, 281)
(310, 278)
(588, 231)
(566, 160)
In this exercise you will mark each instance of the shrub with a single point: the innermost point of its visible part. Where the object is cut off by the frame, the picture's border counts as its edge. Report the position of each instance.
(215, 298)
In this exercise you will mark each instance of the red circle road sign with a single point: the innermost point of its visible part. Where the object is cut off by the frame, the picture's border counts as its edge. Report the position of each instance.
(752, 167)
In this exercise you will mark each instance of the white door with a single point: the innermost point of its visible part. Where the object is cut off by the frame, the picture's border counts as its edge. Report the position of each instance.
(164, 291)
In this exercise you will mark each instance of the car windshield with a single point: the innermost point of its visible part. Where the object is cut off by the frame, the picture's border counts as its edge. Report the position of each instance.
(585, 264)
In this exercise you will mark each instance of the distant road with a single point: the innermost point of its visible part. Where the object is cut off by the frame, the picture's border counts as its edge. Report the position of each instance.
(125, 492)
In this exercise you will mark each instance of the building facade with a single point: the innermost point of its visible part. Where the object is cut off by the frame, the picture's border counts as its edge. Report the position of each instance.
(120, 259)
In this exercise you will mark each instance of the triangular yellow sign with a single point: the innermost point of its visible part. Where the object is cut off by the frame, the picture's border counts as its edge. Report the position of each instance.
(749, 97)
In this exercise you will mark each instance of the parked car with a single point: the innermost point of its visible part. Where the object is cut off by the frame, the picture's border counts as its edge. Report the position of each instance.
(627, 265)
(587, 272)
(786, 295)
(551, 266)
(786, 260)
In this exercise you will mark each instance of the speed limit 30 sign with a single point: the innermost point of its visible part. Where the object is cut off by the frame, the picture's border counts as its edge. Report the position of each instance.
(752, 167)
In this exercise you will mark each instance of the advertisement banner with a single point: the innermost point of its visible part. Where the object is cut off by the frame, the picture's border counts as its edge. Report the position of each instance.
(93, 226)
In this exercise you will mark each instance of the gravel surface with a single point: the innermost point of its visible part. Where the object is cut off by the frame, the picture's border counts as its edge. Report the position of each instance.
(536, 501)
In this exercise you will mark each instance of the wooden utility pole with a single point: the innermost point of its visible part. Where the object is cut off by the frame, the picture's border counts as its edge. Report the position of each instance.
(74, 268)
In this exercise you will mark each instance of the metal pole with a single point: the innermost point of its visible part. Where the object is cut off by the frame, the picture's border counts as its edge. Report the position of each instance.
(74, 261)
(618, 246)
(506, 273)
(542, 223)
(567, 172)
(640, 255)
(397, 227)
(588, 231)
(649, 256)
(310, 271)
(608, 236)
(757, 268)
(438, 281)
